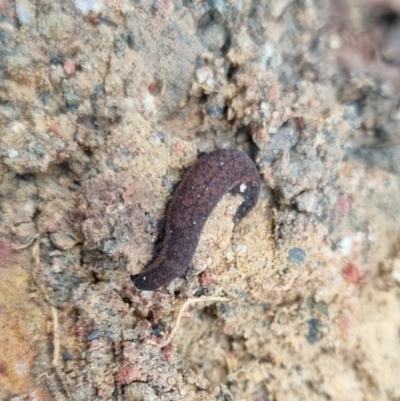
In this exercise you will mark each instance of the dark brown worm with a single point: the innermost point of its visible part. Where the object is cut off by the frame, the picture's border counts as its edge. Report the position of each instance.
(197, 195)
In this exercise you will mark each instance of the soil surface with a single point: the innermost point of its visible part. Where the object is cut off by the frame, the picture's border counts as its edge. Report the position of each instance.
(103, 107)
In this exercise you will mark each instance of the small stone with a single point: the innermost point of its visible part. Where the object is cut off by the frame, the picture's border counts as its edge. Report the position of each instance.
(205, 278)
(346, 245)
(69, 67)
(140, 392)
(89, 138)
(25, 232)
(57, 265)
(313, 331)
(306, 202)
(25, 11)
(67, 356)
(335, 42)
(215, 111)
(72, 100)
(204, 74)
(372, 237)
(94, 335)
(297, 255)
(63, 241)
(214, 36)
(157, 140)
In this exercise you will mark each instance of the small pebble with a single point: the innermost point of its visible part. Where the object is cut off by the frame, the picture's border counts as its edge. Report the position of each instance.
(63, 241)
(67, 356)
(94, 335)
(69, 67)
(306, 202)
(297, 255)
(313, 331)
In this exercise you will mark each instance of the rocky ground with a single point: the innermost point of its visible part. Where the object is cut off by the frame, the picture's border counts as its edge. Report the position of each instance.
(104, 104)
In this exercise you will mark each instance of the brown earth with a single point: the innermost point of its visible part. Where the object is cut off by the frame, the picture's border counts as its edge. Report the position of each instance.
(104, 104)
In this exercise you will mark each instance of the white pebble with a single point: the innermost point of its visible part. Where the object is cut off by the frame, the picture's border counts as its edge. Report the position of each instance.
(345, 245)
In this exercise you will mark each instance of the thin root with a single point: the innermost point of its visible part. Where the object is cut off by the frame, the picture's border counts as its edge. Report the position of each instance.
(206, 88)
(26, 245)
(56, 334)
(190, 301)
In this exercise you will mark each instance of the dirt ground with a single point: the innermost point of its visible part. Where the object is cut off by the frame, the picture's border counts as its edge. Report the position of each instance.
(104, 105)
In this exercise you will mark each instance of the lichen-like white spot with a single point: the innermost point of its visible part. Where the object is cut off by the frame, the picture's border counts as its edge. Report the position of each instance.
(396, 270)
(194, 222)
(241, 248)
(242, 187)
(89, 5)
(396, 275)
(149, 103)
(12, 153)
(18, 127)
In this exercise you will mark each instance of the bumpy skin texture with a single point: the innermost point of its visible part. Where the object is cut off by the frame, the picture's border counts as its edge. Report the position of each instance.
(197, 195)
